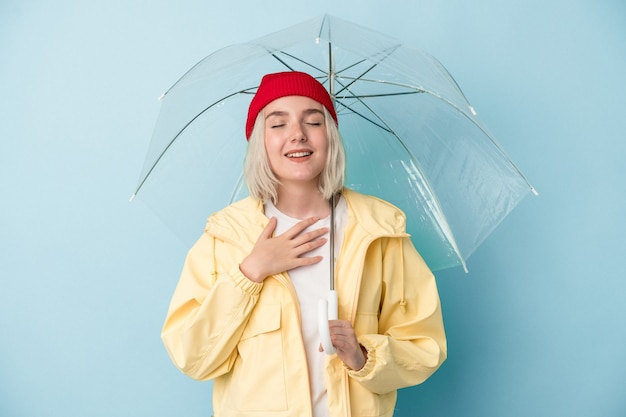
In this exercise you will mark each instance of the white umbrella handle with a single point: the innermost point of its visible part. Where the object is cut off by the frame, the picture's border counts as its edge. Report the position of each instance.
(327, 310)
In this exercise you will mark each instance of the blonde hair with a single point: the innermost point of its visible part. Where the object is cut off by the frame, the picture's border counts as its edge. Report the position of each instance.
(262, 183)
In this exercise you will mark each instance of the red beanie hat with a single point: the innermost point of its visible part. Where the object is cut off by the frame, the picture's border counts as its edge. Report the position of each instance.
(282, 84)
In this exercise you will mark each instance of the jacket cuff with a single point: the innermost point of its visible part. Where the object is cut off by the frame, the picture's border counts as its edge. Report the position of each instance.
(370, 361)
(250, 287)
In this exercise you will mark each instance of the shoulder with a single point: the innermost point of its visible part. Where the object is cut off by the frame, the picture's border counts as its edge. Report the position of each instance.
(369, 201)
(246, 214)
(375, 214)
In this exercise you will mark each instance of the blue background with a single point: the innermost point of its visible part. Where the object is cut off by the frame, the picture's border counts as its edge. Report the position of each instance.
(537, 328)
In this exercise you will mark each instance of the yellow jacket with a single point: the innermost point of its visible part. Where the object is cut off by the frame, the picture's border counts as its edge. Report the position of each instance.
(246, 336)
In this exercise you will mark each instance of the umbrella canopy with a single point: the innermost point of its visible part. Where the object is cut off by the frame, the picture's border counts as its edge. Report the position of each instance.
(411, 137)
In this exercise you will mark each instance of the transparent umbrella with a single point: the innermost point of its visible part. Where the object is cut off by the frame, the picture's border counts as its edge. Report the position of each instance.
(411, 137)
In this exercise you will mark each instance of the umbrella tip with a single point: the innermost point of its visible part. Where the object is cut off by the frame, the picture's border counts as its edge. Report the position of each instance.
(473, 110)
(161, 96)
(534, 191)
(132, 197)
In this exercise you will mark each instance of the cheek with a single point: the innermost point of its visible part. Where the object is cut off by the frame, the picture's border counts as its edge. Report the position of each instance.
(273, 151)
(272, 144)
(324, 146)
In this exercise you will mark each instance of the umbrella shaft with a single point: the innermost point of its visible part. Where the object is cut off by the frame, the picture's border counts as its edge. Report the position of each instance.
(332, 243)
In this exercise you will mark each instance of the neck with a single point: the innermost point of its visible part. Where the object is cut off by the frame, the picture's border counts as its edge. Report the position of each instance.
(302, 202)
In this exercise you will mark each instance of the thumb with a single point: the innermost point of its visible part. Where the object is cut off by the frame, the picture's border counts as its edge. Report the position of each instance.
(268, 231)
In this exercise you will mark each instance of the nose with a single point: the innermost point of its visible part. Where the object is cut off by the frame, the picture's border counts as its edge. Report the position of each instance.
(298, 134)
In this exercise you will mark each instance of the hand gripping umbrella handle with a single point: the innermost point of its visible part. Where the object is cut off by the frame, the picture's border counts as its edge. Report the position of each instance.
(327, 310)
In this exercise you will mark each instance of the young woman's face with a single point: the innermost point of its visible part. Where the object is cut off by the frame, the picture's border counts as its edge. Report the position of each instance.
(295, 139)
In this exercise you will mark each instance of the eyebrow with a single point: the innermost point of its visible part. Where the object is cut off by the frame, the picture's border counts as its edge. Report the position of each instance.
(284, 113)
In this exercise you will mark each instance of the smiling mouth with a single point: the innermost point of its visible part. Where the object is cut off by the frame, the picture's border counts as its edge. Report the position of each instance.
(298, 154)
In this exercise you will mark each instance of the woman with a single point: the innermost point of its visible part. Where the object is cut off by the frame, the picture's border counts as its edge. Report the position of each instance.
(244, 311)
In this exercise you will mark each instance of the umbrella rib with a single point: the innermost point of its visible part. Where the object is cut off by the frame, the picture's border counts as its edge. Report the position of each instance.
(237, 189)
(282, 61)
(169, 145)
(375, 81)
(387, 53)
(381, 95)
(347, 107)
(296, 59)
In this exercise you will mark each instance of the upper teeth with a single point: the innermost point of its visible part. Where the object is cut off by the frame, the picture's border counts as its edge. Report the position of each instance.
(298, 154)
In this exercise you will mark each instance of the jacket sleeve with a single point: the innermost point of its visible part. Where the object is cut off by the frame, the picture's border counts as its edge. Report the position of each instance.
(411, 343)
(207, 314)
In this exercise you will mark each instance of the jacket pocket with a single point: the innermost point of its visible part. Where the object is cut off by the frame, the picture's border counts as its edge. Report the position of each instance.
(258, 377)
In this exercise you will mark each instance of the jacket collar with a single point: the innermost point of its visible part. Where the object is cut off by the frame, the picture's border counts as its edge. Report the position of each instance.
(243, 221)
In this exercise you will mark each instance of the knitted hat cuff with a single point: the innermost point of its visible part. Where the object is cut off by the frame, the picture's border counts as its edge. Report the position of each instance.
(283, 84)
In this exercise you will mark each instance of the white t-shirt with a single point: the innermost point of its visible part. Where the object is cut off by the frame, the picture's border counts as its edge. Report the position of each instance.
(312, 283)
